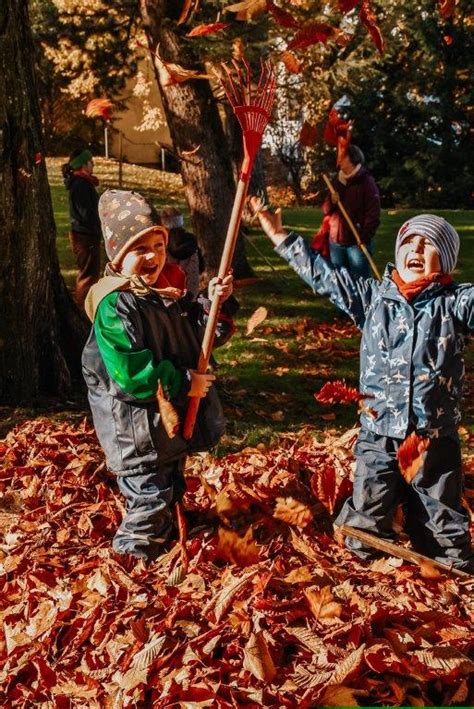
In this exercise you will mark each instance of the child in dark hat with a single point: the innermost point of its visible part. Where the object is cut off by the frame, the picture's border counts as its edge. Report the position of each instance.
(414, 324)
(138, 364)
(183, 248)
(85, 234)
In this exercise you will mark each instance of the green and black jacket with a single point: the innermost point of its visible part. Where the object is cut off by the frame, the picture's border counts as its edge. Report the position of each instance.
(138, 340)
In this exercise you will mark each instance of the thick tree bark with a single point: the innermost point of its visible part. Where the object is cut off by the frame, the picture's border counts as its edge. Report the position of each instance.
(193, 120)
(40, 328)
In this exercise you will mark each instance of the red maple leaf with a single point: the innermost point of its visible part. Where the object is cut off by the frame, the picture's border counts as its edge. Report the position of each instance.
(410, 455)
(338, 133)
(312, 33)
(369, 19)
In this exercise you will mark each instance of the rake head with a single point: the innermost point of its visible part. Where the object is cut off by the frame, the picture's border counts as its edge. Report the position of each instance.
(252, 104)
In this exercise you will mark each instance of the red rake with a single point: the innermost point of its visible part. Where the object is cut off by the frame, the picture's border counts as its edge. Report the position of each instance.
(252, 105)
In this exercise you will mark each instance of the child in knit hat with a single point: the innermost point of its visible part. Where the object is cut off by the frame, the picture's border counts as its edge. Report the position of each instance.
(138, 364)
(413, 324)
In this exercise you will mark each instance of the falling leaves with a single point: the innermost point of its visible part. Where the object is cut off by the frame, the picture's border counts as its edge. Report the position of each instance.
(291, 62)
(312, 33)
(446, 8)
(257, 317)
(369, 19)
(337, 392)
(308, 134)
(338, 132)
(203, 30)
(293, 512)
(248, 9)
(99, 108)
(410, 455)
(171, 74)
(282, 17)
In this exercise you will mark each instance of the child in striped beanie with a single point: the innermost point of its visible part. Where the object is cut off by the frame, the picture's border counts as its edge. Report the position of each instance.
(414, 323)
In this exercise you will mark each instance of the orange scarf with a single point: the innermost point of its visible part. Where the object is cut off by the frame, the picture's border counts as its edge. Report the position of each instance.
(411, 290)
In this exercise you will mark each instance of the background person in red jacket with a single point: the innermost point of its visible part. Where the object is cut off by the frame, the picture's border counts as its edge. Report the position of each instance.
(85, 234)
(359, 194)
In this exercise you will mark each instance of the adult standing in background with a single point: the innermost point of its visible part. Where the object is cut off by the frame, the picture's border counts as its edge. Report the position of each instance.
(356, 189)
(85, 234)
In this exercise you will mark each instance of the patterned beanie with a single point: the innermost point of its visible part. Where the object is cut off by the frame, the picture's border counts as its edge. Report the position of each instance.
(125, 217)
(442, 235)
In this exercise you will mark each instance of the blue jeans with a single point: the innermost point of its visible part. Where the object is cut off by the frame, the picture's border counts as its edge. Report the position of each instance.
(352, 258)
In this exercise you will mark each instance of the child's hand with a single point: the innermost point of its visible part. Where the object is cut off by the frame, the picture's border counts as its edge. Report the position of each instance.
(335, 197)
(223, 290)
(269, 221)
(200, 383)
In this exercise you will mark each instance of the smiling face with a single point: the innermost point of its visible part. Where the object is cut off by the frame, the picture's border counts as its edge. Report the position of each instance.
(145, 258)
(416, 257)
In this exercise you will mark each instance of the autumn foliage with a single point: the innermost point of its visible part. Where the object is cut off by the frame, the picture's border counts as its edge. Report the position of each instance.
(271, 612)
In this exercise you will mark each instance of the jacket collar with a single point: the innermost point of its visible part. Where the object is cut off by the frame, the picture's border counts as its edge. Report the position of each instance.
(390, 290)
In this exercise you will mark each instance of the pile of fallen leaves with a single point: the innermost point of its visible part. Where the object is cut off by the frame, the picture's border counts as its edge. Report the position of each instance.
(272, 611)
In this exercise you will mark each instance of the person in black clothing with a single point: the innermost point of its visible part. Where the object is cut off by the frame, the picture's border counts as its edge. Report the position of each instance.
(183, 248)
(85, 234)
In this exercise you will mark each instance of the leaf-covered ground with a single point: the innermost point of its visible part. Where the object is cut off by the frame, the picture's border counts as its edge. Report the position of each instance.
(272, 610)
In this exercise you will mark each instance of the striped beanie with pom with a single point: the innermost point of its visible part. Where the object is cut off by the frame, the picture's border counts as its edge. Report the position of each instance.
(442, 235)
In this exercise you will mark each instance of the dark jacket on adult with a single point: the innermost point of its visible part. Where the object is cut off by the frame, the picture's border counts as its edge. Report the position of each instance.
(361, 199)
(83, 205)
(138, 341)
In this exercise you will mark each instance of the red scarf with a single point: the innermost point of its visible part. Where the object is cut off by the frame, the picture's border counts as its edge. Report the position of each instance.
(86, 176)
(411, 290)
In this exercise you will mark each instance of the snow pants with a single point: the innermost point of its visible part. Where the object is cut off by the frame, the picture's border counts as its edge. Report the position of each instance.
(150, 499)
(436, 521)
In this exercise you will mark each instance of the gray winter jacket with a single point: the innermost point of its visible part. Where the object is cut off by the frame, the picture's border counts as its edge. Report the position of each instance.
(136, 342)
(411, 360)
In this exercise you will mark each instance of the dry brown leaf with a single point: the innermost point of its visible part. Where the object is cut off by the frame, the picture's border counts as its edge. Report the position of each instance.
(248, 9)
(257, 317)
(257, 658)
(322, 603)
(428, 570)
(293, 512)
(242, 551)
(171, 74)
(336, 695)
(411, 454)
(169, 415)
(299, 575)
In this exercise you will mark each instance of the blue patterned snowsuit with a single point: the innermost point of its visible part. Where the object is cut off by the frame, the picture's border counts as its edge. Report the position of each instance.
(412, 371)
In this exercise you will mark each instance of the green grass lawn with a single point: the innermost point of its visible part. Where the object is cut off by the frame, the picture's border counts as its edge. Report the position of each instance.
(268, 379)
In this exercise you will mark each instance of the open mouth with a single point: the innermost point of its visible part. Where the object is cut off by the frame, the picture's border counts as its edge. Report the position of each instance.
(415, 264)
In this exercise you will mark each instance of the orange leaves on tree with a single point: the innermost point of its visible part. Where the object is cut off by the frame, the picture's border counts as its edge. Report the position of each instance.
(282, 17)
(312, 33)
(369, 19)
(293, 512)
(448, 39)
(308, 134)
(202, 30)
(99, 108)
(410, 455)
(446, 8)
(337, 392)
(291, 62)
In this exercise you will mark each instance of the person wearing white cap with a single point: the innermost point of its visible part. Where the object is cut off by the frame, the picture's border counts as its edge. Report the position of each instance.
(413, 324)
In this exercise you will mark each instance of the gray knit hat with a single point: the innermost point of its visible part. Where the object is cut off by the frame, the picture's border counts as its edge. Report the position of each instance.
(442, 235)
(125, 217)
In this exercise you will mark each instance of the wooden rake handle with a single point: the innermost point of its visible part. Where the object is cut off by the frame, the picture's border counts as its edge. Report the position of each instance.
(351, 225)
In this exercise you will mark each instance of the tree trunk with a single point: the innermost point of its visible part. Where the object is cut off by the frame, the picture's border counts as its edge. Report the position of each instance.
(41, 330)
(193, 120)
